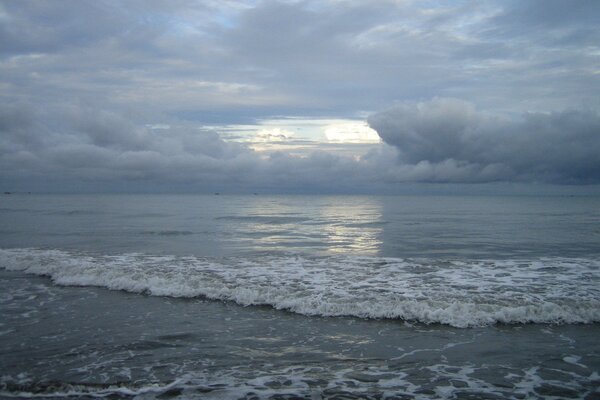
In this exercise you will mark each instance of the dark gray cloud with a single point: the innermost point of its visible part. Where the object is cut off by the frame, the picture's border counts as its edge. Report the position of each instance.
(229, 60)
(452, 141)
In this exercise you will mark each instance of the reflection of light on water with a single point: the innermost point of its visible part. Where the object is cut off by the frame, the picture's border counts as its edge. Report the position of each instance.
(296, 223)
(353, 225)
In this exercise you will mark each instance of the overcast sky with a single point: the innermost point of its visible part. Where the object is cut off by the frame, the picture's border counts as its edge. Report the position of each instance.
(298, 96)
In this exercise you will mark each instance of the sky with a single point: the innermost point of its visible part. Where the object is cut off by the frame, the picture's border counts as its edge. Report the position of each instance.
(338, 96)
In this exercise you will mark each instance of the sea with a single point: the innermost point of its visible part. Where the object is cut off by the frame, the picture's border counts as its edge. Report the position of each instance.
(299, 297)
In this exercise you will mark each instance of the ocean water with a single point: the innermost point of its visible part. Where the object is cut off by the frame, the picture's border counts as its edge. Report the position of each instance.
(316, 297)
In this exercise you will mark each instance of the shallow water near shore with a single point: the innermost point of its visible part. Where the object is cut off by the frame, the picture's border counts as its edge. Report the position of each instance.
(299, 296)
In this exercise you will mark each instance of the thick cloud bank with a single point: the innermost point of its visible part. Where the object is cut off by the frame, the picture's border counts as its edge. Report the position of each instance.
(449, 140)
(75, 147)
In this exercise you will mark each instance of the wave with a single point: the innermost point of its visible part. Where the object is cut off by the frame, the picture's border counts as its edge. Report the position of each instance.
(341, 380)
(458, 293)
(12, 388)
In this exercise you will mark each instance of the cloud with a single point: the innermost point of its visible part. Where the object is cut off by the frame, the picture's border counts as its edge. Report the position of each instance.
(448, 140)
(104, 149)
(85, 85)
(440, 141)
(227, 62)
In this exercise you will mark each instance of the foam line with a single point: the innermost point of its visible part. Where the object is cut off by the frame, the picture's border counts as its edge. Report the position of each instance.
(458, 293)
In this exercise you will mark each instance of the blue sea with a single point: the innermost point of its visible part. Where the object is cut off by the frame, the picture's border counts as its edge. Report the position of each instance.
(310, 297)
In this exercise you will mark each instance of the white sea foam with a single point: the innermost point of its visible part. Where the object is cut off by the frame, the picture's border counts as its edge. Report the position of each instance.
(347, 381)
(457, 293)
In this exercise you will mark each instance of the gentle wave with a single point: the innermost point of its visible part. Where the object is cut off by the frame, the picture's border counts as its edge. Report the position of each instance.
(327, 380)
(457, 293)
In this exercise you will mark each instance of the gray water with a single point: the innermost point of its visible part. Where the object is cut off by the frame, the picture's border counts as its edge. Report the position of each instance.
(313, 297)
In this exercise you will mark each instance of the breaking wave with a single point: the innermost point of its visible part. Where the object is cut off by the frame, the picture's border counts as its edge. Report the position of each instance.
(457, 293)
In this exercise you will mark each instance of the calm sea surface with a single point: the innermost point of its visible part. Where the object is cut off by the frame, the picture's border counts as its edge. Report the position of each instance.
(226, 297)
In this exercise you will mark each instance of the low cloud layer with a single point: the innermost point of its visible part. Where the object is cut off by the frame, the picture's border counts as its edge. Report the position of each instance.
(77, 147)
(449, 140)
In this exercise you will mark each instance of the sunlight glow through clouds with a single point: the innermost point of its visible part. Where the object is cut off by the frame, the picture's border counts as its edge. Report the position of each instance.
(300, 135)
(300, 129)
(351, 132)
(271, 139)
